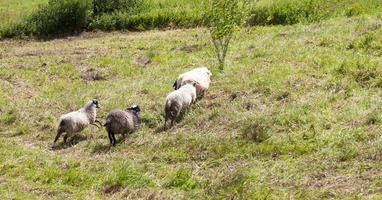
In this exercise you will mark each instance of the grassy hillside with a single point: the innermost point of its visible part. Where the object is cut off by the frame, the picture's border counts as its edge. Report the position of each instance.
(297, 114)
(15, 9)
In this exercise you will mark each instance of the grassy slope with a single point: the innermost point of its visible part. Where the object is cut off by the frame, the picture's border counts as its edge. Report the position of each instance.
(315, 89)
(15, 9)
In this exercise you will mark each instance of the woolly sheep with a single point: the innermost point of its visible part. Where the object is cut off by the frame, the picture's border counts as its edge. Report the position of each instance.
(77, 121)
(178, 101)
(200, 75)
(120, 121)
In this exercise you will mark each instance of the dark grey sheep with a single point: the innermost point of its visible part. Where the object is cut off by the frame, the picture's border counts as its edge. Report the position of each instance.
(122, 122)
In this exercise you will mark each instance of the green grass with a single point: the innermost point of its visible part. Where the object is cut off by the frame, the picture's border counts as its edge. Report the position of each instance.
(305, 11)
(296, 114)
(24, 19)
(14, 9)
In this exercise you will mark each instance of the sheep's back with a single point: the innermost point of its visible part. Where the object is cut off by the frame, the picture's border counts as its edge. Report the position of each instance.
(119, 121)
(201, 78)
(183, 95)
(74, 121)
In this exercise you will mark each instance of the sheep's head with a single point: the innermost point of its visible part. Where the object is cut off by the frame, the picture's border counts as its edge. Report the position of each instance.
(135, 108)
(207, 71)
(95, 103)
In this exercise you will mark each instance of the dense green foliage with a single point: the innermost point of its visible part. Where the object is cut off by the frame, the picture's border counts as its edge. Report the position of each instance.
(109, 6)
(150, 14)
(56, 17)
(223, 18)
(296, 11)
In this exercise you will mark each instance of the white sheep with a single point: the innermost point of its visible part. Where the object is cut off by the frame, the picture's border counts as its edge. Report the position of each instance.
(200, 75)
(76, 121)
(179, 101)
(122, 122)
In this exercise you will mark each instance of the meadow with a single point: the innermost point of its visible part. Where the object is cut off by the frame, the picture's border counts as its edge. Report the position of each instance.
(296, 114)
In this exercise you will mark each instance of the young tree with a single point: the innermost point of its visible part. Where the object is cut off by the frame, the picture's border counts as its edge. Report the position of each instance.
(223, 18)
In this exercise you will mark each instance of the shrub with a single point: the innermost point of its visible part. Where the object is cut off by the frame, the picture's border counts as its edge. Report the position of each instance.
(160, 18)
(297, 11)
(57, 17)
(109, 6)
(286, 12)
(223, 17)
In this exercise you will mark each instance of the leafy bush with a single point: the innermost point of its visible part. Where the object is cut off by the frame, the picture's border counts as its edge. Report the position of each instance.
(223, 17)
(156, 18)
(297, 11)
(109, 6)
(68, 16)
(57, 17)
(286, 12)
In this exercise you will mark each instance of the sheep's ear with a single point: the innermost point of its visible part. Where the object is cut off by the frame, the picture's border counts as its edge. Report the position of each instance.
(174, 85)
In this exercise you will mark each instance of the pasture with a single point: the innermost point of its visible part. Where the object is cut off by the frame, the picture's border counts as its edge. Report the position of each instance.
(296, 114)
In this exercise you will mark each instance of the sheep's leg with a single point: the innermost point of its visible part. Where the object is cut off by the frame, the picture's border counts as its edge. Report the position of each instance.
(186, 110)
(59, 132)
(110, 138)
(66, 137)
(114, 140)
(95, 125)
(98, 122)
(203, 93)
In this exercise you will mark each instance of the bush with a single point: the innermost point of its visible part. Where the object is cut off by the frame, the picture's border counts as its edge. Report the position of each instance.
(223, 17)
(156, 18)
(109, 6)
(57, 17)
(303, 11)
(286, 12)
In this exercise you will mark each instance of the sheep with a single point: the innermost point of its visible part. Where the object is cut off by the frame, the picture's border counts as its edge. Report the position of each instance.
(120, 121)
(201, 75)
(77, 121)
(178, 101)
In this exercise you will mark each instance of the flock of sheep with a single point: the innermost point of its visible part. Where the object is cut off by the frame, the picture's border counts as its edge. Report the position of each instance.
(189, 87)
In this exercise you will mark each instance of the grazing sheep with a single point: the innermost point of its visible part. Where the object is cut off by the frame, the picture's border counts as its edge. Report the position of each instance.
(77, 121)
(178, 101)
(119, 121)
(200, 75)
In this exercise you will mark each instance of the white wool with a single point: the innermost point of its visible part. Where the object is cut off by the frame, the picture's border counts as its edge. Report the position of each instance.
(185, 95)
(200, 75)
(78, 120)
